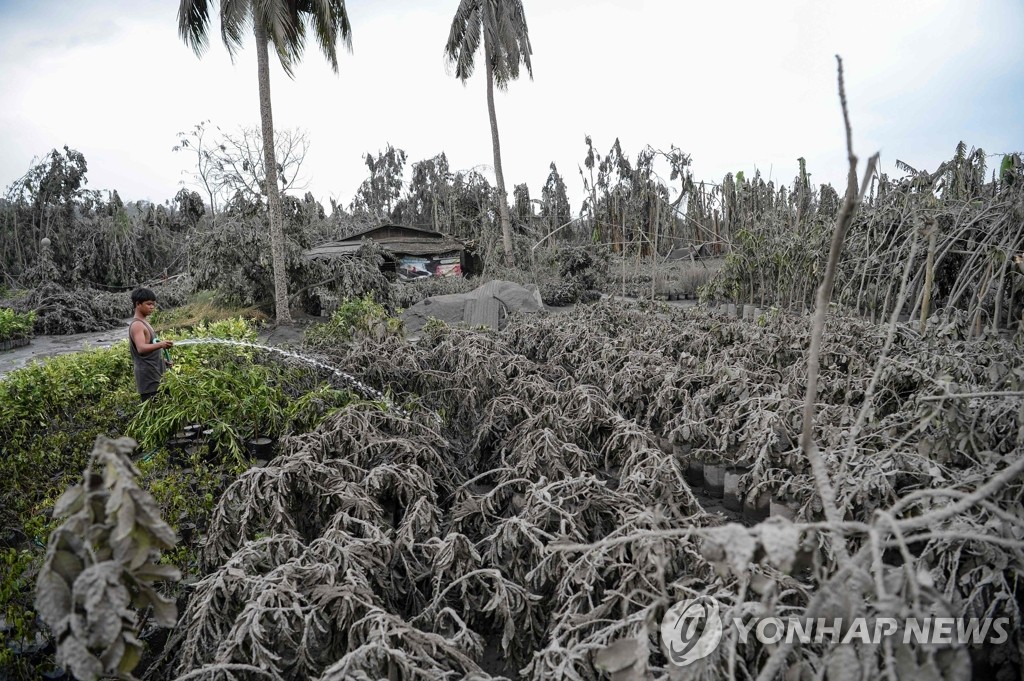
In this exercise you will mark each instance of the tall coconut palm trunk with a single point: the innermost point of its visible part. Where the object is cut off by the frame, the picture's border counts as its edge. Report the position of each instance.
(277, 250)
(499, 175)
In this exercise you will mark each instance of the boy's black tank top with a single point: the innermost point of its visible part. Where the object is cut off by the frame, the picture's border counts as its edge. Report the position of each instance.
(148, 367)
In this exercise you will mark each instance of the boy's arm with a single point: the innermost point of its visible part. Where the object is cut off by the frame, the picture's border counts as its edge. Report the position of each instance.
(138, 335)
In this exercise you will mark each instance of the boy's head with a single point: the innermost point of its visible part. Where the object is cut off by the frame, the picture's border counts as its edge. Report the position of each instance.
(145, 298)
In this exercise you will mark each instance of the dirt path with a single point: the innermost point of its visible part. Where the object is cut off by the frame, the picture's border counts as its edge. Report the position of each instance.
(51, 346)
(42, 347)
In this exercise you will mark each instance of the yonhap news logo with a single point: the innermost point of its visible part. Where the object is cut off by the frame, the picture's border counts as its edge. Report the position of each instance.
(692, 629)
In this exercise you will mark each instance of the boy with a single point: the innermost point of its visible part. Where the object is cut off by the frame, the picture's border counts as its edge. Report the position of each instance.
(147, 358)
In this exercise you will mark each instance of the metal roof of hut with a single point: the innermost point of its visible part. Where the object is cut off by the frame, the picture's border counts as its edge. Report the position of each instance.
(398, 239)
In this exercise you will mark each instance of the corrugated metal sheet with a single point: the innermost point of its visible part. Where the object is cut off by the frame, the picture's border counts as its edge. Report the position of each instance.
(398, 239)
(396, 246)
(382, 232)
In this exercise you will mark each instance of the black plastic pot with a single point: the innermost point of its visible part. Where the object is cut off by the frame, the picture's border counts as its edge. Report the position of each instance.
(179, 450)
(733, 499)
(186, 531)
(695, 474)
(260, 447)
(756, 507)
(714, 480)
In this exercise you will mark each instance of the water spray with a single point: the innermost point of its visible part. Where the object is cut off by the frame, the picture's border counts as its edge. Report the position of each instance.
(360, 387)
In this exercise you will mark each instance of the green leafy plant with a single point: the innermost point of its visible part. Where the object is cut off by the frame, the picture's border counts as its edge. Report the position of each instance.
(52, 412)
(14, 325)
(238, 399)
(17, 569)
(355, 317)
(202, 309)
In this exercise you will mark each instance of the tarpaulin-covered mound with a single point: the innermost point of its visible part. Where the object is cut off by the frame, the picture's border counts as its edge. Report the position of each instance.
(488, 305)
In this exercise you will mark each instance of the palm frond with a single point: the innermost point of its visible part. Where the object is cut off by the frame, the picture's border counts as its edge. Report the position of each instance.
(522, 34)
(464, 38)
(279, 19)
(508, 40)
(906, 167)
(235, 16)
(329, 19)
(193, 24)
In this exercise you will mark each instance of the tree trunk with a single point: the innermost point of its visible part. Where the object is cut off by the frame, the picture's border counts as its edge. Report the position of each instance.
(277, 250)
(929, 277)
(499, 176)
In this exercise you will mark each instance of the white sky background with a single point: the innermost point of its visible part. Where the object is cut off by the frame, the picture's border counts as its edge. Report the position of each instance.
(738, 85)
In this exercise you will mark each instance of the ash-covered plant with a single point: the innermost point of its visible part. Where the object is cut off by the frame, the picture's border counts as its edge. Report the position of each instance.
(361, 275)
(98, 580)
(64, 310)
(537, 504)
(408, 293)
(61, 311)
(587, 266)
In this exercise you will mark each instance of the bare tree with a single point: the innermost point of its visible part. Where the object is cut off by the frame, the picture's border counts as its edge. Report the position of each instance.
(240, 165)
(195, 140)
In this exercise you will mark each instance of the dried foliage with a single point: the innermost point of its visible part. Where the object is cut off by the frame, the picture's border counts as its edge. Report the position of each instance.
(94, 240)
(408, 293)
(102, 562)
(971, 231)
(546, 516)
(60, 310)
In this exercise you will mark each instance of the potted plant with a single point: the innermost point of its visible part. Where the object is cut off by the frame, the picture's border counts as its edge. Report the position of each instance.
(15, 328)
(756, 504)
(259, 409)
(714, 475)
(731, 484)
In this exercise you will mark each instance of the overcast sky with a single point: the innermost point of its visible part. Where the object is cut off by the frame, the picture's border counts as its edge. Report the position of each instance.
(738, 85)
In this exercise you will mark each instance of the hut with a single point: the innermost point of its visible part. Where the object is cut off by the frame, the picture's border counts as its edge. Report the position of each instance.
(412, 253)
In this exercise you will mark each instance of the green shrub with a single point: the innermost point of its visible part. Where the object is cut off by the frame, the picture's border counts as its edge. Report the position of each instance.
(228, 389)
(17, 572)
(54, 410)
(238, 400)
(202, 308)
(14, 325)
(52, 413)
(355, 317)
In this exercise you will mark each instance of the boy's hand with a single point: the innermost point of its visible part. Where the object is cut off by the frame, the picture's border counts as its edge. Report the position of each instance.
(164, 345)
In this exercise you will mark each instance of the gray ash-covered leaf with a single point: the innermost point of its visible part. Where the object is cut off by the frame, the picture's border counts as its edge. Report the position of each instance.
(100, 563)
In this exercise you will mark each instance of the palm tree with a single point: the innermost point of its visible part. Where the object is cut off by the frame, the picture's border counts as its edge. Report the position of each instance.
(502, 24)
(284, 23)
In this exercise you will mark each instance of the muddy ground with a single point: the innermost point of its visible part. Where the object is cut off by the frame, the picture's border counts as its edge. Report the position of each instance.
(51, 346)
